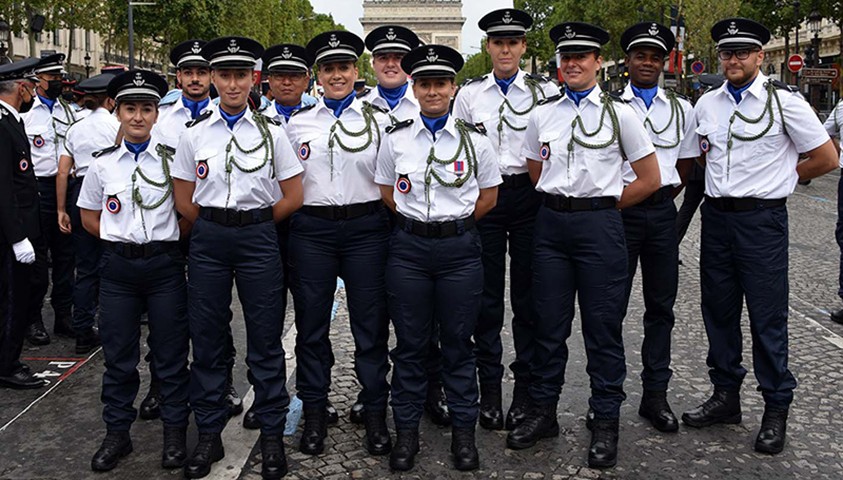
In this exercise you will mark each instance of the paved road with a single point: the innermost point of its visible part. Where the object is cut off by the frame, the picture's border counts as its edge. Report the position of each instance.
(53, 433)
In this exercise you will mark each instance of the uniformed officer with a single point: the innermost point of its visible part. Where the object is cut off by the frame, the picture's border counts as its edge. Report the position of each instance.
(90, 134)
(20, 233)
(389, 44)
(502, 101)
(752, 130)
(46, 125)
(834, 126)
(341, 231)
(139, 231)
(579, 248)
(235, 175)
(650, 226)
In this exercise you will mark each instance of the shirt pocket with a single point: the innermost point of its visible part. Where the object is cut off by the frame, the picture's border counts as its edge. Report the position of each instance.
(116, 196)
(205, 160)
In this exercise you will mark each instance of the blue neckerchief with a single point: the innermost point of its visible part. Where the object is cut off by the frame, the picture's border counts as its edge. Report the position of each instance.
(646, 94)
(339, 106)
(577, 96)
(48, 102)
(737, 92)
(505, 83)
(287, 112)
(194, 106)
(136, 148)
(393, 95)
(434, 124)
(230, 120)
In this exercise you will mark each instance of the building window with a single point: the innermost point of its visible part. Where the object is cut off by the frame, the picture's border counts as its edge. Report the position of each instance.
(56, 37)
(87, 40)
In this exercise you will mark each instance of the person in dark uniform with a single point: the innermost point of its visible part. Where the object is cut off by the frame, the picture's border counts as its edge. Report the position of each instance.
(235, 176)
(752, 130)
(502, 101)
(579, 246)
(440, 175)
(341, 231)
(694, 193)
(834, 127)
(126, 200)
(20, 233)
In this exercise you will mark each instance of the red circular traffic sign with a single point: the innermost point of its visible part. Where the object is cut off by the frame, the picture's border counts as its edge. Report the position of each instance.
(795, 63)
(698, 67)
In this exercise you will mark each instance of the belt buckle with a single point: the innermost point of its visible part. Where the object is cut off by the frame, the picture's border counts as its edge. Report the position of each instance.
(232, 217)
(340, 212)
(434, 229)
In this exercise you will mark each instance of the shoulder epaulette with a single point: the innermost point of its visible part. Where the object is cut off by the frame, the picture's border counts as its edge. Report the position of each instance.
(168, 149)
(269, 119)
(550, 99)
(365, 92)
(679, 95)
(476, 127)
(170, 98)
(201, 118)
(472, 80)
(303, 109)
(399, 125)
(372, 105)
(538, 78)
(783, 86)
(102, 152)
(617, 97)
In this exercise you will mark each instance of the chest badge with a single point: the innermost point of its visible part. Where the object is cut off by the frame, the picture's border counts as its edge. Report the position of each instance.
(112, 204)
(304, 151)
(705, 146)
(23, 165)
(38, 141)
(459, 168)
(202, 169)
(403, 184)
(544, 152)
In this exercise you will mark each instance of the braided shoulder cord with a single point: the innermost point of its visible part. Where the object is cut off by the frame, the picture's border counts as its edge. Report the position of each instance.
(268, 152)
(578, 123)
(502, 118)
(676, 113)
(432, 160)
(767, 111)
(68, 113)
(335, 139)
(137, 198)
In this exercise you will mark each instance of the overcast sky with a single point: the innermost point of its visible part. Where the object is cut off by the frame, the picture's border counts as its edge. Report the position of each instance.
(348, 13)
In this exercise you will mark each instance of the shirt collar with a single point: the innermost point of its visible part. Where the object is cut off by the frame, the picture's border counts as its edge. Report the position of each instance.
(11, 109)
(756, 89)
(519, 81)
(152, 149)
(450, 126)
(216, 116)
(356, 106)
(593, 96)
(628, 94)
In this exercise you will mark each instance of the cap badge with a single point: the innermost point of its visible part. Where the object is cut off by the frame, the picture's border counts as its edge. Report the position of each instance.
(333, 42)
(286, 53)
(233, 47)
(390, 35)
(507, 18)
(733, 29)
(138, 81)
(431, 55)
(196, 49)
(569, 32)
(654, 30)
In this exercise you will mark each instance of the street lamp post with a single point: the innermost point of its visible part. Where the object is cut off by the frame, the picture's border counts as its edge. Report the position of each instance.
(4, 38)
(797, 21)
(814, 26)
(87, 65)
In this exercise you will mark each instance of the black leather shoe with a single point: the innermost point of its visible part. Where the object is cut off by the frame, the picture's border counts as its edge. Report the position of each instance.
(273, 458)
(63, 326)
(208, 450)
(377, 435)
(174, 452)
(250, 420)
(603, 450)
(37, 335)
(403, 455)
(491, 412)
(540, 423)
(87, 341)
(315, 431)
(232, 399)
(332, 417)
(722, 407)
(464, 450)
(356, 413)
(654, 407)
(773, 431)
(115, 446)
(436, 405)
(837, 316)
(520, 405)
(150, 407)
(22, 379)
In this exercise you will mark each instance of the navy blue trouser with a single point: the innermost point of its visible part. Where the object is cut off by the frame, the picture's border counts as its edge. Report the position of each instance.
(249, 257)
(320, 251)
(744, 256)
(583, 254)
(650, 232)
(838, 230)
(126, 286)
(434, 283)
(87, 250)
(60, 246)
(513, 220)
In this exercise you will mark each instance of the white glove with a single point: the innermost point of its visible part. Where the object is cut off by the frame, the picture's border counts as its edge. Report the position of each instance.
(24, 253)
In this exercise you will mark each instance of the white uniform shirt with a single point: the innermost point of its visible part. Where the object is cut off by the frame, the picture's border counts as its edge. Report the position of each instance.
(172, 121)
(482, 101)
(94, 132)
(202, 153)
(108, 187)
(834, 125)
(764, 168)
(352, 178)
(407, 107)
(586, 172)
(659, 115)
(46, 131)
(404, 153)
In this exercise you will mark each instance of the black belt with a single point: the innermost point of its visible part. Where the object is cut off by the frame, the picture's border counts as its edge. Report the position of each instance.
(659, 197)
(342, 212)
(144, 250)
(743, 204)
(236, 218)
(561, 203)
(436, 229)
(515, 181)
